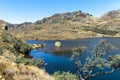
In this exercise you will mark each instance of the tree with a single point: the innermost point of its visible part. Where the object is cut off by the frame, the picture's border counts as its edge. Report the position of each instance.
(97, 60)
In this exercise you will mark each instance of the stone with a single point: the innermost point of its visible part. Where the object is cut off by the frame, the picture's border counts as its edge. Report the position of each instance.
(58, 44)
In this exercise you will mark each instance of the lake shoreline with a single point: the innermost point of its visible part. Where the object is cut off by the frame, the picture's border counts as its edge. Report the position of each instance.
(73, 39)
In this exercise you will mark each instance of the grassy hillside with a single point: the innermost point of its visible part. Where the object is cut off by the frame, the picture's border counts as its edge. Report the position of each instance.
(70, 25)
(13, 64)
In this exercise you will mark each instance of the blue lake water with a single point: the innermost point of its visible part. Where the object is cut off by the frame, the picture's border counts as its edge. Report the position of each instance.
(58, 60)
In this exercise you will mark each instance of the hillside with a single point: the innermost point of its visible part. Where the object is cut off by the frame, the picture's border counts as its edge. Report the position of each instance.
(59, 26)
(12, 71)
(70, 25)
(111, 20)
(11, 67)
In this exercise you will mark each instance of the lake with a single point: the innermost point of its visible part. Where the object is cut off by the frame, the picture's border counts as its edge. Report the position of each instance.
(59, 59)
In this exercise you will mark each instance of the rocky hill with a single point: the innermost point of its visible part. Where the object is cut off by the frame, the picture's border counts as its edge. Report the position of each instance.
(111, 20)
(111, 15)
(71, 17)
(70, 25)
(58, 26)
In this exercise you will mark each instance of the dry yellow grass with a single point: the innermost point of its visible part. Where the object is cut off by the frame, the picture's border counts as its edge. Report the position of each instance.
(12, 71)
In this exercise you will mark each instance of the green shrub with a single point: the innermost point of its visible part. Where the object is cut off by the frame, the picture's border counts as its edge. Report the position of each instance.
(21, 47)
(25, 48)
(7, 38)
(65, 76)
(1, 51)
(104, 31)
(28, 61)
(100, 30)
(18, 45)
(37, 28)
(96, 62)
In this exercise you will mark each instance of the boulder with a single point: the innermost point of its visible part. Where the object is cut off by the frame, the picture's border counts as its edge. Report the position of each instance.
(36, 46)
(58, 44)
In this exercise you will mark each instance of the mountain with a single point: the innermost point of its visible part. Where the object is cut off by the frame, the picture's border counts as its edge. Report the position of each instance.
(18, 26)
(111, 19)
(70, 25)
(83, 19)
(111, 15)
(74, 17)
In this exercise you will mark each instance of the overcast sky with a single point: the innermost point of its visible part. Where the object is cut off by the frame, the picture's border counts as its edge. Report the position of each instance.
(18, 11)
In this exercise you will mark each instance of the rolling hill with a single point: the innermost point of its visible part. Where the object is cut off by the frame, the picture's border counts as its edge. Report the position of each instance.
(70, 25)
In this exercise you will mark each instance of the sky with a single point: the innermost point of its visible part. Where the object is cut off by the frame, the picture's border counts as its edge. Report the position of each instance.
(18, 11)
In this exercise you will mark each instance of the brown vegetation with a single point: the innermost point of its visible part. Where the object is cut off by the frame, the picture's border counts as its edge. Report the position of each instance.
(12, 71)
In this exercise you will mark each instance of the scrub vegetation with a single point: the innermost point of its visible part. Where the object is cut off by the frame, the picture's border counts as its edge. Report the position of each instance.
(96, 62)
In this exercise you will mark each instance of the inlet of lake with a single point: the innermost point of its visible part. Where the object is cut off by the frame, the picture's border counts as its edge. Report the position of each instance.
(59, 59)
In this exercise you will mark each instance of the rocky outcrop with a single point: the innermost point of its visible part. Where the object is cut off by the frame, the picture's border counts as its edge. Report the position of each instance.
(18, 26)
(37, 46)
(69, 16)
(14, 26)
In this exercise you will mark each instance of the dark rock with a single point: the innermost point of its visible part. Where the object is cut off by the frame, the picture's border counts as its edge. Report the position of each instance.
(16, 26)
(41, 21)
(68, 16)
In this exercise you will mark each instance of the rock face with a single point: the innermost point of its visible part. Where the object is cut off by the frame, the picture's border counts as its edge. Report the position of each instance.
(12, 71)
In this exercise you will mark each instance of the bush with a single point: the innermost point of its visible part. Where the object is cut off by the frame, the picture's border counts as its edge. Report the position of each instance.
(65, 76)
(104, 31)
(100, 30)
(18, 46)
(96, 62)
(37, 28)
(7, 38)
(27, 61)
(21, 47)
(1, 51)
